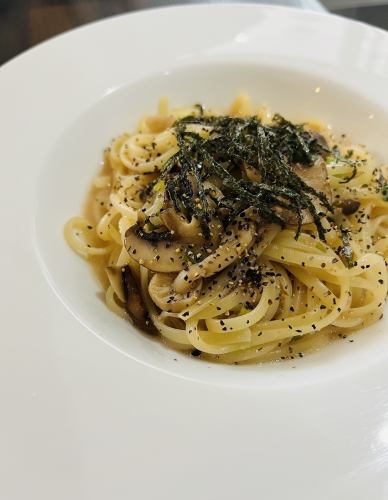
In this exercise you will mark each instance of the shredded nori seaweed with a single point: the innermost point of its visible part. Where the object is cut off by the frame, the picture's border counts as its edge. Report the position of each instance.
(232, 144)
(153, 236)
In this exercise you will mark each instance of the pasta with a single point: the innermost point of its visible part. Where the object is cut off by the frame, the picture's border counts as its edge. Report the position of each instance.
(240, 237)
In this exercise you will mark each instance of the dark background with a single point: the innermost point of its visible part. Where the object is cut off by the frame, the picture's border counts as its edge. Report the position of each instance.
(24, 23)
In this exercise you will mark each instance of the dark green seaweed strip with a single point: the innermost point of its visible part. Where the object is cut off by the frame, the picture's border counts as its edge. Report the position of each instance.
(233, 142)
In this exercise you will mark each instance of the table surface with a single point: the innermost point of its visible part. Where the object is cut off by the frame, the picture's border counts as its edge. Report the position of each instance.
(24, 23)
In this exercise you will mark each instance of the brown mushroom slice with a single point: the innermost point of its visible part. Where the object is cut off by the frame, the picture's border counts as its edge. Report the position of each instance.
(321, 141)
(114, 274)
(227, 252)
(162, 292)
(315, 176)
(183, 230)
(252, 173)
(133, 300)
(189, 232)
(213, 192)
(160, 256)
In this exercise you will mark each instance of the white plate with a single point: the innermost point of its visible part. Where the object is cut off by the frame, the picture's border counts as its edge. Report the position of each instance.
(92, 409)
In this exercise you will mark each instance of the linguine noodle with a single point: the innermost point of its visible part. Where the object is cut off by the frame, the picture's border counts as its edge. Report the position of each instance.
(247, 289)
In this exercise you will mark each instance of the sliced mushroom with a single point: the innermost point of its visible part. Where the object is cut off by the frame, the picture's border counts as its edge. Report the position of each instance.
(321, 141)
(133, 300)
(229, 250)
(189, 232)
(164, 296)
(114, 274)
(213, 191)
(183, 230)
(215, 181)
(252, 173)
(315, 176)
(160, 256)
